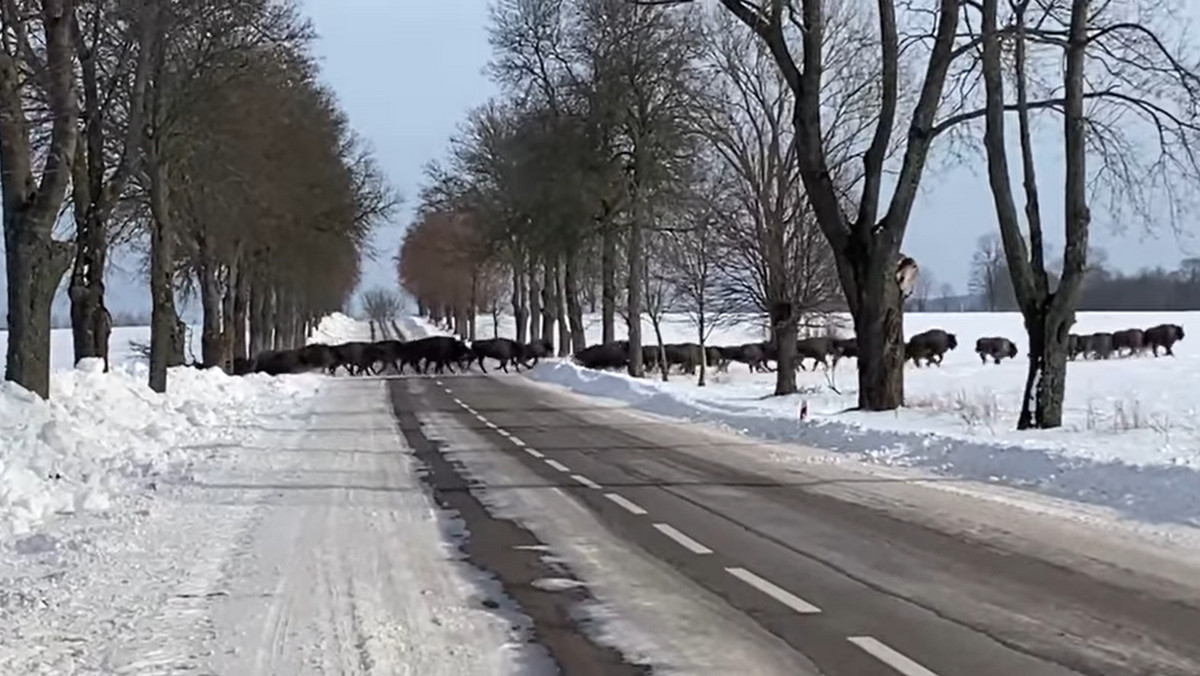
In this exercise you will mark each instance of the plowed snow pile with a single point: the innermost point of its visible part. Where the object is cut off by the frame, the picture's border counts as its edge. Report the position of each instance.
(101, 434)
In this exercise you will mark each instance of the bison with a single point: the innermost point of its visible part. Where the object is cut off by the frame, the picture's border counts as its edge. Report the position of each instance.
(930, 345)
(1164, 336)
(1133, 340)
(611, 355)
(1099, 345)
(996, 347)
(818, 349)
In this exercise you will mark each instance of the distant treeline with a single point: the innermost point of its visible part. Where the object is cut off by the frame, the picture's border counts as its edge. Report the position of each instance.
(1104, 290)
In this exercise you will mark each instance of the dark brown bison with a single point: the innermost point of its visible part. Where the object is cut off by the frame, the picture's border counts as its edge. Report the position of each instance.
(1164, 336)
(1099, 345)
(997, 347)
(930, 345)
(1133, 340)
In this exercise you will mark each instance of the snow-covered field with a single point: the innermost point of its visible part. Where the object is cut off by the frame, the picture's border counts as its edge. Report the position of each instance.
(1131, 438)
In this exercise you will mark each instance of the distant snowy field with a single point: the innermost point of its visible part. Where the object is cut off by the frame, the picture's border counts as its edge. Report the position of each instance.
(1130, 440)
(120, 350)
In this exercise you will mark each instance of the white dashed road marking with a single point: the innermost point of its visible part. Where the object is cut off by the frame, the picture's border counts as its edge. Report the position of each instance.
(503, 433)
(890, 657)
(535, 453)
(558, 465)
(628, 505)
(517, 442)
(774, 591)
(685, 541)
(490, 424)
(585, 481)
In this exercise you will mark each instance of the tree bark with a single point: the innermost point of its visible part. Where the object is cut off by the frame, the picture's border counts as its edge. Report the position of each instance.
(879, 326)
(242, 312)
(274, 323)
(608, 286)
(519, 298)
(35, 265)
(574, 307)
(633, 293)
(163, 318)
(784, 333)
(229, 324)
(549, 301)
(259, 332)
(35, 262)
(560, 309)
(535, 302)
(212, 338)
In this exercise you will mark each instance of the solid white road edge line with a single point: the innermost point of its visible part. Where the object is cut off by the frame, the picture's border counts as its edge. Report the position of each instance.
(889, 656)
(774, 591)
(685, 541)
(627, 505)
(585, 481)
(558, 465)
(535, 453)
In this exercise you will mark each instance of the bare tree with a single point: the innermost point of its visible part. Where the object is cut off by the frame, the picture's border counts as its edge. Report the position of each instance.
(381, 305)
(33, 197)
(656, 290)
(923, 291)
(1119, 75)
(864, 240)
(691, 268)
(114, 69)
(775, 259)
(989, 272)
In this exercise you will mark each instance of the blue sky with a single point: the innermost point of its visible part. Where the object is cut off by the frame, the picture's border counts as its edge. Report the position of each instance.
(407, 71)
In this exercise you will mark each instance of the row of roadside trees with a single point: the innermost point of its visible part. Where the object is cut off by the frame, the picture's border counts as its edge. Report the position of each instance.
(786, 142)
(196, 134)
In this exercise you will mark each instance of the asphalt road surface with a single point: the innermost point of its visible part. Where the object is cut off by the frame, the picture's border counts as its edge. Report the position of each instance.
(843, 587)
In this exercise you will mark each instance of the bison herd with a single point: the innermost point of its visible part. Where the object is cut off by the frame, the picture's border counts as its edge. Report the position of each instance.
(442, 353)
(929, 347)
(1125, 343)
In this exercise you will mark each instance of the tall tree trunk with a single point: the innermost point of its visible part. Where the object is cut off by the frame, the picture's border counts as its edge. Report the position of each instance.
(86, 287)
(535, 302)
(229, 326)
(35, 262)
(259, 331)
(608, 284)
(271, 319)
(879, 326)
(211, 336)
(35, 266)
(560, 309)
(700, 332)
(520, 298)
(636, 257)
(784, 333)
(574, 307)
(164, 339)
(473, 314)
(549, 302)
(242, 312)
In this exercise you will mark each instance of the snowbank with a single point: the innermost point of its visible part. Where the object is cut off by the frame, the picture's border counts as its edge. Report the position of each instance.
(103, 434)
(339, 328)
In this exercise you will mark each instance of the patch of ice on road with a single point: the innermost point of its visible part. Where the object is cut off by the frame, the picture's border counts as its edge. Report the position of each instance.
(556, 583)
